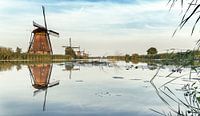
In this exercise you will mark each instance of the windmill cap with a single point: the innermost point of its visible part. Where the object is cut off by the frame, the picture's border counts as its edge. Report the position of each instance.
(38, 30)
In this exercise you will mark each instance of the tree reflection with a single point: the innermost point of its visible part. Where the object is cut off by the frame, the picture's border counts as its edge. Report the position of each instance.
(76, 65)
(152, 66)
(4, 66)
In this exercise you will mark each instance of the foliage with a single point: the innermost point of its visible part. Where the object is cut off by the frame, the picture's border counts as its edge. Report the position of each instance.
(18, 50)
(116, 57)
(135, 56)
(152, 51)
(9, 54)
(127, 58)
(6, 53)
(189, 57)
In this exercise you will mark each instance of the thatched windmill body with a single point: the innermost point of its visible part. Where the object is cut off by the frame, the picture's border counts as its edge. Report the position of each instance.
(40, 41)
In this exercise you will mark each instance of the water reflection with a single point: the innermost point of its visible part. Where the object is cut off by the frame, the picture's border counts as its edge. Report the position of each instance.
(5, 66)
(75, 65)
(40, 75)
(152, 66)
(99, 87)
(70, 66)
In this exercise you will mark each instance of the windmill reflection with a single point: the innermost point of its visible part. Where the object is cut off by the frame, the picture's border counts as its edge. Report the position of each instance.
(70, 66)
(76, 65)
(40, 75)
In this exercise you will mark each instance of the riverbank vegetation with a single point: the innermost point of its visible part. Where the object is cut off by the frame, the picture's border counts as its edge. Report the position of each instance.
(7, 54)
(178, 58)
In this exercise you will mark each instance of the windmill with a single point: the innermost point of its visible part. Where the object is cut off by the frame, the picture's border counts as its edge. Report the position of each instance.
(70, 50)
(70, 66)
(40, 79)
(84, 54)
(40, 41)
(70, 45)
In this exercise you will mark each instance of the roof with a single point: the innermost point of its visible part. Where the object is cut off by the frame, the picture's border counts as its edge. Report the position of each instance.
(38, 30)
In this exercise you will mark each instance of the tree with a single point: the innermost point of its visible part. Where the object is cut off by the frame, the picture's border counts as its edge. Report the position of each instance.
(135, 58)
(6, 53)
(18, 50)
(152, 51)
(127, 58)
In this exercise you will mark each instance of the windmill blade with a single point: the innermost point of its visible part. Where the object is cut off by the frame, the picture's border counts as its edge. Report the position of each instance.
(49, 86)
(45, 22)
(38, 91)
(45, 97)
(54, 83)
(51, 32)
(75, 47)
(37, 25)
(65, 46)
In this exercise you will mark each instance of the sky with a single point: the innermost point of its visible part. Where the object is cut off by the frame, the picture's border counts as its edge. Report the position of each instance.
(100, 27)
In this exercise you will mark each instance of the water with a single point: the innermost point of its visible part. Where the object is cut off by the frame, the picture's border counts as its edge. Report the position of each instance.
(90, 89)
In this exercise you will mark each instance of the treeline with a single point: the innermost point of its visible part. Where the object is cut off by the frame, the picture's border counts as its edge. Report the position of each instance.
(9, 54)
(6, 53)
(182, 58)
(135, 58)
(75, 55)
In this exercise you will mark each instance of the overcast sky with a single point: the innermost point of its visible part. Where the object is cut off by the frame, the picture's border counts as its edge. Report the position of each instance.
(101, 27)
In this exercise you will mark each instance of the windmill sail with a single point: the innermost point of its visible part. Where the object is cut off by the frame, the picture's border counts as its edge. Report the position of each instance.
(40, 43)
(45, 22)
(37, 25)
(51, 32)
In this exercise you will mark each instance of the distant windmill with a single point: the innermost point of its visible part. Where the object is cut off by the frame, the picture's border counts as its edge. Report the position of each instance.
(70, 45)
(40, 41)
(70, 50)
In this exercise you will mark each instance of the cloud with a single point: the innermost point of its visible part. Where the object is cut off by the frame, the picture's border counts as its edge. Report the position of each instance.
(101, 16)
(87, 22)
